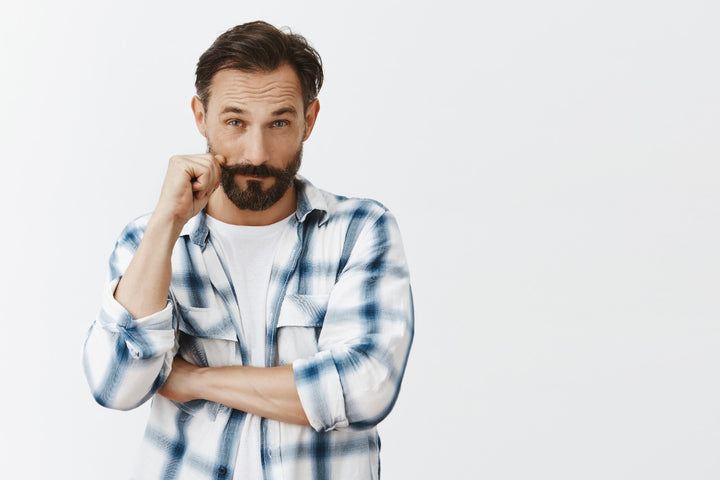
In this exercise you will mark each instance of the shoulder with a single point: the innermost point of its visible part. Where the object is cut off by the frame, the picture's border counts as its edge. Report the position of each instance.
(346, 208)
(339, 209)
(359, 221)
(134, 230)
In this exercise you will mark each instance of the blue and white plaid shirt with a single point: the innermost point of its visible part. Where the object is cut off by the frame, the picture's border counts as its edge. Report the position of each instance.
(339, 309)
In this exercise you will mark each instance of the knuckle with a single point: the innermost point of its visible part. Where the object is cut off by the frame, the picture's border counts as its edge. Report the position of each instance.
(176, 160)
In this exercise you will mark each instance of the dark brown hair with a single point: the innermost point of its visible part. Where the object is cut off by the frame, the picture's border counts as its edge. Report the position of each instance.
(260, 47)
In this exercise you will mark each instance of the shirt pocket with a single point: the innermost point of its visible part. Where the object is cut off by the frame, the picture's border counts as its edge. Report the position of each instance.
(207, 337)
(299, 325)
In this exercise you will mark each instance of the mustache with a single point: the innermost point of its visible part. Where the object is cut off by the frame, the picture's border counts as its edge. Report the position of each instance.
(254, 170)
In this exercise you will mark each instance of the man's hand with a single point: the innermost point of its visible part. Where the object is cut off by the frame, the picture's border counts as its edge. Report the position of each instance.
(178, 386)
(189, 181)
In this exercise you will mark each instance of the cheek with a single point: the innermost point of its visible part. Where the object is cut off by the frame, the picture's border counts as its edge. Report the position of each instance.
(224, 144)
(284, 144)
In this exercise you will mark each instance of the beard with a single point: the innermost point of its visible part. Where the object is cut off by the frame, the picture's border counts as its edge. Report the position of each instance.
(253, 197)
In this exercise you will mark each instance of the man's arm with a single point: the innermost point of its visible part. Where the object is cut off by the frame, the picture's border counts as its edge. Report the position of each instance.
(354, 379)
(189, 181)
(129, 348)
(267, 392)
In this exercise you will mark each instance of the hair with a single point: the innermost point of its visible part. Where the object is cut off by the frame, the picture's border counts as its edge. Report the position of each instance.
(260, 47)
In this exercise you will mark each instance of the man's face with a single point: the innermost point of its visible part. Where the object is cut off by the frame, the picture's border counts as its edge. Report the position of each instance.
(256, 121)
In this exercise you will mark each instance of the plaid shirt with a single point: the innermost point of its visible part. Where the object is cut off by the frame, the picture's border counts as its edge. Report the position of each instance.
(339, 309)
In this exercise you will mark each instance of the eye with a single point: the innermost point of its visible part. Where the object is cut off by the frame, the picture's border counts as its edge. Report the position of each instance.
(280, 123)
(234, 123)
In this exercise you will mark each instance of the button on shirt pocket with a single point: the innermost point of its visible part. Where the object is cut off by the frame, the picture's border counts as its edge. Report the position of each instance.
(207, 336)
(299, 323)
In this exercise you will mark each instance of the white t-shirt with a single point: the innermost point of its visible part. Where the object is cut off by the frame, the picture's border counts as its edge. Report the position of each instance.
(247, 254)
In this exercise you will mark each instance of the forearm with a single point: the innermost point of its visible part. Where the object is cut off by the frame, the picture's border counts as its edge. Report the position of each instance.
(143, 288)
(268, 392)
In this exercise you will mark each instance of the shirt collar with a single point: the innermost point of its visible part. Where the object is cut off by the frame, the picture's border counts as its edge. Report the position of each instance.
(309, 199)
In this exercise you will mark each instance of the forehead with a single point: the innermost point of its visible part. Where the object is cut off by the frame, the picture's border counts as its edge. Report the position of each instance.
(255, 89)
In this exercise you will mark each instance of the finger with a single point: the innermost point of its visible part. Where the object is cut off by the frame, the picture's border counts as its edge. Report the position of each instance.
(216, 167)
(202, 171)
(204, 182)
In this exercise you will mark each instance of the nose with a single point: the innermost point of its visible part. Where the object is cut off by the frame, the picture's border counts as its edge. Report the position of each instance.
(256, 149)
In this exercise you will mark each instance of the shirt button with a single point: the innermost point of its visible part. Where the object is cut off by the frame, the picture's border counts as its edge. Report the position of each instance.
(222, 470)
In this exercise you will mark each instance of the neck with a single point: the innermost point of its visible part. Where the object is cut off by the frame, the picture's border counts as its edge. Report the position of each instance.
(221, 208)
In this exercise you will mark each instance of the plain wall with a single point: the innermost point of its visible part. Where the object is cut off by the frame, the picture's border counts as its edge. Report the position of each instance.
(554, 170)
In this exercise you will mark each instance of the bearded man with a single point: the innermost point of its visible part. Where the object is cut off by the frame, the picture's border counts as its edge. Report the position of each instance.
(269, 321)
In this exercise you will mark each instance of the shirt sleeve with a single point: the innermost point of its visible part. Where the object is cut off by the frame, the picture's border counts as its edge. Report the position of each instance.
(127, 360)
(355, 377)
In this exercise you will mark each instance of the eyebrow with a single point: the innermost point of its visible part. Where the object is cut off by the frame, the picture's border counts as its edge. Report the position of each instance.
(284, 110)
(232, 110)
(276, 113)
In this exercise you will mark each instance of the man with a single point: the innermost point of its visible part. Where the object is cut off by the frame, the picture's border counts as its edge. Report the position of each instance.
(269, 321)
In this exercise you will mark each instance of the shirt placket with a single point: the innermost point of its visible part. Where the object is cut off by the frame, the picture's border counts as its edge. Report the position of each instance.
(220, 280)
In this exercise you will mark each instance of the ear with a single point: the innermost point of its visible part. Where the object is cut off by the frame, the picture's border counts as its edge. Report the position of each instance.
(311, 113)
(199, 112)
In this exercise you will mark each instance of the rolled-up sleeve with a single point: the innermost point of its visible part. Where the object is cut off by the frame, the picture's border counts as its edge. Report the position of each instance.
(127, 360)
(355, 377)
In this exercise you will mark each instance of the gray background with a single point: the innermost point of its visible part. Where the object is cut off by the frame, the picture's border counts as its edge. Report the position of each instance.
(553, 166)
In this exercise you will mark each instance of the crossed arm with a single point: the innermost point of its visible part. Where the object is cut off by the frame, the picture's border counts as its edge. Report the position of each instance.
(268, 392)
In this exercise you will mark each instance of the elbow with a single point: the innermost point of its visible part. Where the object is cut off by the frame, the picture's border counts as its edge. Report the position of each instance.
(115, 403)
(118, 387)
(368, 407)
(110, 393)
(120, 376)
(123, 399)
(352, 387)
(371, 392)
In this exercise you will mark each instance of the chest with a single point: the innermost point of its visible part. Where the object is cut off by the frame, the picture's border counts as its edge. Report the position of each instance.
(205, 290)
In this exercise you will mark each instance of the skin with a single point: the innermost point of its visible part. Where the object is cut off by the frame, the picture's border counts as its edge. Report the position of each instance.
(249, 118)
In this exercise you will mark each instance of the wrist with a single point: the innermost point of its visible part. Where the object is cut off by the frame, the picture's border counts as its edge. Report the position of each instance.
(197, 385)
(161, 221)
